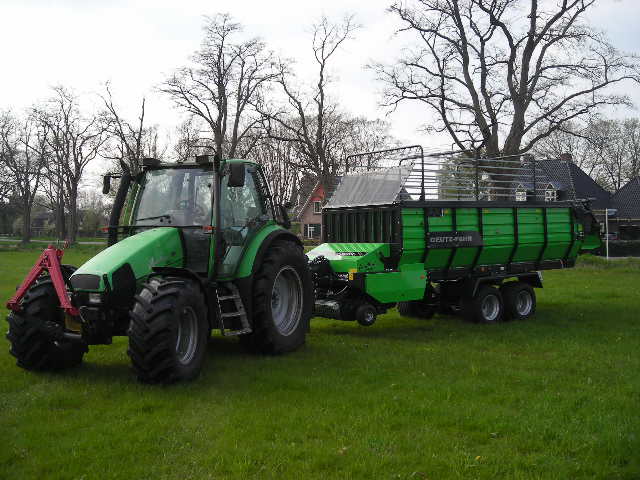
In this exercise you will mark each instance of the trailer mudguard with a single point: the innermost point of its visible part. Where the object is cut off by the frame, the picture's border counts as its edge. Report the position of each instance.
(471, 284)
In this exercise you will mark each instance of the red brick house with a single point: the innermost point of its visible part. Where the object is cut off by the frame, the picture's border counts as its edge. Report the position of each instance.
(310, 213)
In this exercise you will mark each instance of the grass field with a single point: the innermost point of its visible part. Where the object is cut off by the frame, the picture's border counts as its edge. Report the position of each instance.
(40, 242)
(557, 396)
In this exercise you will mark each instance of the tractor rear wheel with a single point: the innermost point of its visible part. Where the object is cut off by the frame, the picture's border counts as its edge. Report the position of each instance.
(169, 331)
(33, 347)
(283, 301)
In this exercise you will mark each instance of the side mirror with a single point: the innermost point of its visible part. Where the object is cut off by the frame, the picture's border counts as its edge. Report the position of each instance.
(106, 184)
(236, 175)
(285, 221)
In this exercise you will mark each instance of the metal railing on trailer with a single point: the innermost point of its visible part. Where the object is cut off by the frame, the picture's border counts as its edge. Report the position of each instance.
(408, 173)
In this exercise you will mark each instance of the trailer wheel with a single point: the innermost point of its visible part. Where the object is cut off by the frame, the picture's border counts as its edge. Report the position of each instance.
(416, 309)
(283, 301)
(450, 308)
(486, 306)
(169, 331)
(519, 300)
(33, 348)
(366, 315)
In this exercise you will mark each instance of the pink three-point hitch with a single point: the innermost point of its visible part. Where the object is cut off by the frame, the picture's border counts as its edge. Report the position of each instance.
(49, 260)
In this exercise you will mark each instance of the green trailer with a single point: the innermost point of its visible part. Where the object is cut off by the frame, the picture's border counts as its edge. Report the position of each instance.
(444, 233)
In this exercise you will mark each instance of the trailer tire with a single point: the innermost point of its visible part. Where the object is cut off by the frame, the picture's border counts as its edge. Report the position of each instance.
(169, 331)
(29, 344)
(282, 301)
(416, 309)
(366, 315)
(486, 306)
(519, 300)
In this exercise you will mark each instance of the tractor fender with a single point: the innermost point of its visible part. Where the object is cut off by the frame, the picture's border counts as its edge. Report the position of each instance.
(253, 259)
(181, 272)
(258, 247)
(190, 274)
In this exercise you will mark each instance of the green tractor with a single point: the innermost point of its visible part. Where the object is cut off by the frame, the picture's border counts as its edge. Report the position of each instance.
(193, 247)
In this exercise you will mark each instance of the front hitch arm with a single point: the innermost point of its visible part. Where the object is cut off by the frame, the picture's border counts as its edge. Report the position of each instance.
(49, 260)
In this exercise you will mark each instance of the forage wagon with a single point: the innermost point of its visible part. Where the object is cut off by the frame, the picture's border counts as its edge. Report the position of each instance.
(201, 246)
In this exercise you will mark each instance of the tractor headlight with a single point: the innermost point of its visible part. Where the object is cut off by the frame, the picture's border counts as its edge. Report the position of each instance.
(95, 298)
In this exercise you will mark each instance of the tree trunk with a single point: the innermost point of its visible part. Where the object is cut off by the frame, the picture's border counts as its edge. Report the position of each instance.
(61, 226)
(73, 213)
(26, 224)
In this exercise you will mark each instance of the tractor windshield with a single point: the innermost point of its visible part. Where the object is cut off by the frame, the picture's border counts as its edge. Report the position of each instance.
(176, 196)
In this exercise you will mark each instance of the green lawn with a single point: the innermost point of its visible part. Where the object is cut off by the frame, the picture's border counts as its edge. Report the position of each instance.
(557, 396)
(40, 242)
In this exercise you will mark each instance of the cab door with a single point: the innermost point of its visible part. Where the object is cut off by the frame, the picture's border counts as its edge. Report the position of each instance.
(243, 212)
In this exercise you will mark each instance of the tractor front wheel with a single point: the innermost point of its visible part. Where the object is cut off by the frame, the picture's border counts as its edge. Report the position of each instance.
(283, 300)
(31, 344)
(169, 331)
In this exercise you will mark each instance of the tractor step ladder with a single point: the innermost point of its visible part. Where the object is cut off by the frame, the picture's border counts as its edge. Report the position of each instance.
(235, 309)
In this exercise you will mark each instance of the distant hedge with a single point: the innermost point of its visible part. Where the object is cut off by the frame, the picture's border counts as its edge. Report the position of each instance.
(623, 248)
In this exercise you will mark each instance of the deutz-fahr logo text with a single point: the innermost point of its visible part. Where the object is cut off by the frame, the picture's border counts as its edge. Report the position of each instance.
(454, 239)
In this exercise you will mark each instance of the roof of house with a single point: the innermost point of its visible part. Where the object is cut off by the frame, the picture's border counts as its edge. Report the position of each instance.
(329, 190)
(573, 179)
(627, 200)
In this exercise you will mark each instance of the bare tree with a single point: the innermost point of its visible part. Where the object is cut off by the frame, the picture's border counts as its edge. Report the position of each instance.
(569, 139)
(606, 149)
(226, 79)
(54, 198)
(6, 185)
(309, 117)
(75, 140)
(132, 141)
(276, 159)
(359, 134)
(23, 161)
(631, 132)
(189, 141)
(496, 71)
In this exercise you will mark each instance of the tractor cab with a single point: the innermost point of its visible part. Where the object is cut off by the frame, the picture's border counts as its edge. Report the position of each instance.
(182, 196)
(174, 196)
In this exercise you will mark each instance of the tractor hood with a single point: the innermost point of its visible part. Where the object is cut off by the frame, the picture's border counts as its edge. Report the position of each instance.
(123, 265)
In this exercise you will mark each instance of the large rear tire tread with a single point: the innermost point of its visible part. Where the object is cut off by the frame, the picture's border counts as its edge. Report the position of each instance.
(32, 348)
(265, 337)
(153, 330)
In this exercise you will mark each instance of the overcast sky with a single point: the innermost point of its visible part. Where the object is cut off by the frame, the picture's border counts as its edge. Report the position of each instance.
(135, 44)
